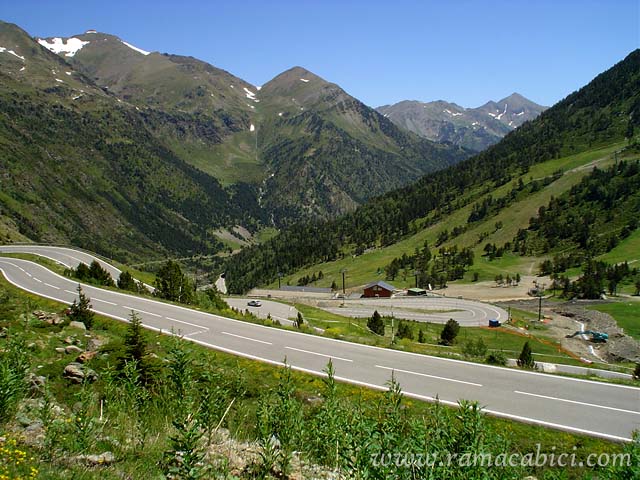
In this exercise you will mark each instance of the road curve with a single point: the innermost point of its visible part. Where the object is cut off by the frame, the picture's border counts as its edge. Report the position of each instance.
(466, 312)
(277, 311)
(576, 405)
(66, 257)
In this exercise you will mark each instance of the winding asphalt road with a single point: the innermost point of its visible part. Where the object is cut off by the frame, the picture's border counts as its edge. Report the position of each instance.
(576, 405)
(465, 312)
(67, 257)
(278, 311)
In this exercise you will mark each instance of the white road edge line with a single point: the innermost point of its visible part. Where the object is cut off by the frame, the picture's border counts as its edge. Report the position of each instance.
(187, 323)
(195, 333)
(246, 338)
(103, 301)
(141, 311)
(578, 403)
(429, 376)
(72, 293)
(332, 340)
(333, 357)
(52, 286)
(496, 413)
(347, 380)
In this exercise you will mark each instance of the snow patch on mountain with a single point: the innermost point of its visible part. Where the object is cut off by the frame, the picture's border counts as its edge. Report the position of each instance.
(505, 111)
(252, 128)
(3, 49)
(304, 80)
(453, 114)
(69, 48)
(16, 55)
(250, 95)
(139, 50)
(521, 113)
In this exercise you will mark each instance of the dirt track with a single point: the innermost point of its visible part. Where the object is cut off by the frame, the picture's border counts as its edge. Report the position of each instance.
(490, 292)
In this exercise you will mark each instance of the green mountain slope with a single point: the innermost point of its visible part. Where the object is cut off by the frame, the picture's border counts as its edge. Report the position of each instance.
(311, 148)
(201, 112)
(80, 166)
(328, 152)
(548, 154)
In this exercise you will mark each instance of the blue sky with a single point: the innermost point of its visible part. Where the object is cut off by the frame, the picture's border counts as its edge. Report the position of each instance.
(381, 52)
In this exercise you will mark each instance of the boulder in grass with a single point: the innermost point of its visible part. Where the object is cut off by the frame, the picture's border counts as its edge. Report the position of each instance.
(106, 458)
(84, 357)
(78, 373)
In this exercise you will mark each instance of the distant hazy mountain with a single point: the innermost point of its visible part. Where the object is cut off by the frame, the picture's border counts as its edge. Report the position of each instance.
(472, 128)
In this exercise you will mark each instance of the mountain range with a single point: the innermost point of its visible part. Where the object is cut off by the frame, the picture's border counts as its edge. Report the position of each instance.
(486, 204)
(473, 128)
(304, 143)
(137, 154)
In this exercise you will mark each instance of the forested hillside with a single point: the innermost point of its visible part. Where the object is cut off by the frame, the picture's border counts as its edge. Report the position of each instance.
(592, 217)
(603, 112)
(80, 167)
(305, 146)
(328, 152)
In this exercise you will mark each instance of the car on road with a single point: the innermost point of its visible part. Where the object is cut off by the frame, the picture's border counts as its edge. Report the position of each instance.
(254, 303)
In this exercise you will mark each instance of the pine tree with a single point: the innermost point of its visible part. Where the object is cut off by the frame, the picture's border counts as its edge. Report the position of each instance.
(80, 310)
(135, 352)
(216, 299)
(127, 282)
(299, 320)
(404, 331)
(134, 341)
(449, 332)
(172, 284)
(525, 360)
(421, 338)
(100, 275)
(376, 324)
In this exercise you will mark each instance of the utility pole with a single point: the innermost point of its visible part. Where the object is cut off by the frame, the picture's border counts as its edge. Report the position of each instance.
(343, 271)
(540, 294)
(392, 336)
(417, 273)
